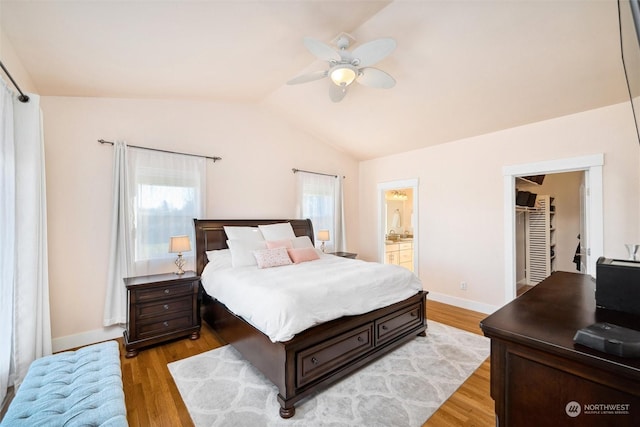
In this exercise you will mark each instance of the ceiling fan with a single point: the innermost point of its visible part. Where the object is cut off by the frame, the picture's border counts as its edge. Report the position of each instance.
(346, 67)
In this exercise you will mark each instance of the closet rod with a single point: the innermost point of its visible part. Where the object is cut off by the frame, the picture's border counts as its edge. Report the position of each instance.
(315, 173)
(215, 159)
(22, 97)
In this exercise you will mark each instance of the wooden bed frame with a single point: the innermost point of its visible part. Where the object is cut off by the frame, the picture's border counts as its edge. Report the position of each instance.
(318, 356)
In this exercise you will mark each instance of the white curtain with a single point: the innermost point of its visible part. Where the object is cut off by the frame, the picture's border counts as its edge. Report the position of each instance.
(320, 198)
(24, 286)
(156, 195)
(7, 235)
(341, 235)
(120, 253)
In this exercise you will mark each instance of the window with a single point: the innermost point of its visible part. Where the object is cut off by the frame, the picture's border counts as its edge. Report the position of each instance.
(166, 192)
(320, 199)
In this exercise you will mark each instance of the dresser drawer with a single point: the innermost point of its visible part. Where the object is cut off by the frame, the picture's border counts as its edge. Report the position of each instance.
(167, 325)
(406, 246)
(163, 308)
(398, 323)
(166, 291)
(314, 362)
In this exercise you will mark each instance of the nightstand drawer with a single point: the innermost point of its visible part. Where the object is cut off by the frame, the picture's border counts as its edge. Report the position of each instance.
(165, 326)
(164, 307)
(164, 291)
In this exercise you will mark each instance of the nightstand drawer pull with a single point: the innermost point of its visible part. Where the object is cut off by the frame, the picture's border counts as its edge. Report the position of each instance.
(166, 291)
(165, 323)
(384, 327)
(166, 306)
(360, 339)
(314, 360)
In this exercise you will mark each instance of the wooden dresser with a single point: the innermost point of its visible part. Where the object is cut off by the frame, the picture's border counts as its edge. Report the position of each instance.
(539, 377)
(161, 307)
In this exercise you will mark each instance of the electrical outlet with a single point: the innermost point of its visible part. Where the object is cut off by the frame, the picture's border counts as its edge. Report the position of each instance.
(463, 286)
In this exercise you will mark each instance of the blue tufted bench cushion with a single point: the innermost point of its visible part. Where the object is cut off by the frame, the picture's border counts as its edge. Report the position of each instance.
(73, 388)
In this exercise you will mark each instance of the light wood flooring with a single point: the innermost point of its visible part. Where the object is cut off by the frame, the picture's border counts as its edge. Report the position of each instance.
(152, 398)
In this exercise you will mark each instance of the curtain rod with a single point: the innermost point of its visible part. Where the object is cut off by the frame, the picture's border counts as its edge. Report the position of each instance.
(22, 97)
(315, 173)
(215, 159)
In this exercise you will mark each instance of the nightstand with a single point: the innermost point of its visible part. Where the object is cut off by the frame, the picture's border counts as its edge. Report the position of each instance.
(161, 307)
(344, 254)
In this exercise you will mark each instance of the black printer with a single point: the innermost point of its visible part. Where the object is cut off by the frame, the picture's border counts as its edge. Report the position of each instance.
(618, 285)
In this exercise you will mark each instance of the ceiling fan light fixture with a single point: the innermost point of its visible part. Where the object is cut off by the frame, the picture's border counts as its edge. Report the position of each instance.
(343, 75)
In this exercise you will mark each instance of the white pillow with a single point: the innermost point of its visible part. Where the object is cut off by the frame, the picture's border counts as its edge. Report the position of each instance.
(302, 242)
(243, 233)
(276, 257)
(219, 259)
(278, 231)
(242, 251)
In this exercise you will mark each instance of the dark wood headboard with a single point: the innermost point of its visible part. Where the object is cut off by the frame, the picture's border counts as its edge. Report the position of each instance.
(210, 233)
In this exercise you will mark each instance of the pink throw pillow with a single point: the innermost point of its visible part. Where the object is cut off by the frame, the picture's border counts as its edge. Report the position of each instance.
(273, 244)
(303, 254)
(267, 258)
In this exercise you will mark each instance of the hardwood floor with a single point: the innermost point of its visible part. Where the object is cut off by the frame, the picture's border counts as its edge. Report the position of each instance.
(152, 398)
(471, 404)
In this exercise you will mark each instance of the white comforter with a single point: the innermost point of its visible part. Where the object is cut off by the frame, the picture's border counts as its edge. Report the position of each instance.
(283, 301)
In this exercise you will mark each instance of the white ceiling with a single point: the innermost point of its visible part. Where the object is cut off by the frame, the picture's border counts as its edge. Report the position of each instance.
(463, 67)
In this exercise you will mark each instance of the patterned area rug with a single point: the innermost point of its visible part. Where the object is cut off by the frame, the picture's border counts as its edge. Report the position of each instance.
(403, 388)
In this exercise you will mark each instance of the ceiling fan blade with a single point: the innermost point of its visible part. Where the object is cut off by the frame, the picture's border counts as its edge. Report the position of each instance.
(316, 75)
(321, 50)
(373, 77)
(336, 93)
(373, 51)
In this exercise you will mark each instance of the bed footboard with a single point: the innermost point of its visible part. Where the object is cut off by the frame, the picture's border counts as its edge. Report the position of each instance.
(321, 355)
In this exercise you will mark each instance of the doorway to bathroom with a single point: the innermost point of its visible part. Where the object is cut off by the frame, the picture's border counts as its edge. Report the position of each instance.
(398, 223)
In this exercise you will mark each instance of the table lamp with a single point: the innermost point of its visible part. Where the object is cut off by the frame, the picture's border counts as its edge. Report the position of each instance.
(323, 236)
(179, 244)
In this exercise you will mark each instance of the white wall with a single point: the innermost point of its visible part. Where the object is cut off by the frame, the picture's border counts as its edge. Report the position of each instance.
(253, 180)
(461, 197)
(15, 67)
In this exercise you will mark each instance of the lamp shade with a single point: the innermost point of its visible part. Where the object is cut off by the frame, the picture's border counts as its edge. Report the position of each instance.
(179, 244)
(323, 235)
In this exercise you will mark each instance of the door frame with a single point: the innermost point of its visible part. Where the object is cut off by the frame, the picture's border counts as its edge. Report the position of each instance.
(592, 166)
(392, 185)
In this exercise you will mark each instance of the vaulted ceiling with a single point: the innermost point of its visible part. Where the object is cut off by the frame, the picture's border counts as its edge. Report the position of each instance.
(463, 67)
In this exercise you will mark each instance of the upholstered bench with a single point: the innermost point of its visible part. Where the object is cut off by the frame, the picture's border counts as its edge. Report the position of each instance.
(73, 388)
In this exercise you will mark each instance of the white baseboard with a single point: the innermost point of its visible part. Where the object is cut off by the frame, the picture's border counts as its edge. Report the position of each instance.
(86, 338)
(463, 303)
